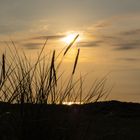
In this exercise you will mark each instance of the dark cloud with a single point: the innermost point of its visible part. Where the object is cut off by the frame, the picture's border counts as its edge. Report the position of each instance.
(111, 39)
(90, 43)
(52, 37)
(116, 41)
(129, 59)
(128, 46)
(125, 47)
(32, 45)
(132, 32)
(103, 24)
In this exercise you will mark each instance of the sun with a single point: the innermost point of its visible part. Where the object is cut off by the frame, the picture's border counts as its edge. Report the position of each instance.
(69, 38)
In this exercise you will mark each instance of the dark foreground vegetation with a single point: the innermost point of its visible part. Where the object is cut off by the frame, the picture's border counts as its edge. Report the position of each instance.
(111, 120)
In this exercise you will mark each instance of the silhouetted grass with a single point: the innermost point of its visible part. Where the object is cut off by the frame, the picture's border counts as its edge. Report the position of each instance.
(39, 83)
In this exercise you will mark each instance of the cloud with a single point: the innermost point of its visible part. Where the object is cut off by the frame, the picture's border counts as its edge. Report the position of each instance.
(132, 32)
(128, 46)
(90, 43)
(32, 45)
(129, 59)
(125, 47)
(51, 37)
(103, 24)
(111, 39)
(118, 40)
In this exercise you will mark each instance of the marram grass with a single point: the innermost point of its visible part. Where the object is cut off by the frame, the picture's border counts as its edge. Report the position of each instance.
(40, 83)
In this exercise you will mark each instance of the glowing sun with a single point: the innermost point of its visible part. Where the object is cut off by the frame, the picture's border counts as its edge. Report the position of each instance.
(69, 38)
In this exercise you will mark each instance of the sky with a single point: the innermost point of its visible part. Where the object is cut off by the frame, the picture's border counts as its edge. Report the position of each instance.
(109, 36)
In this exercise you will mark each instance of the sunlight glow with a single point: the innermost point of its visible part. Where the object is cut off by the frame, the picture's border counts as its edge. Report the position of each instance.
(69, 38)
(71, 103)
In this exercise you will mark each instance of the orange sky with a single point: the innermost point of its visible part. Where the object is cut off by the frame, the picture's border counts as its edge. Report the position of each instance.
(109, 36)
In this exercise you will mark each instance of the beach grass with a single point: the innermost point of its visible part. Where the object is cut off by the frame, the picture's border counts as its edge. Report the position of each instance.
(22, 81)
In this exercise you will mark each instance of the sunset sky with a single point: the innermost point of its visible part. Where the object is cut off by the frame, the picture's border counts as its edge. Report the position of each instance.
(109, 36)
